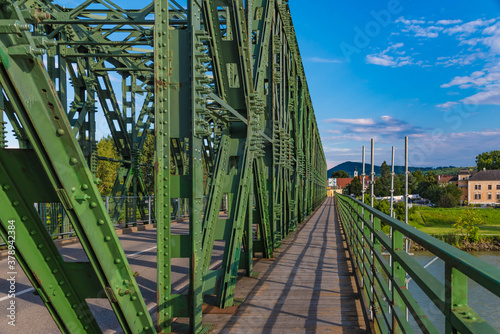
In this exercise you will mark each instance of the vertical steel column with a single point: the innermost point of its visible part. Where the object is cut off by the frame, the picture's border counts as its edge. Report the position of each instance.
(198, 130)
(162, 163)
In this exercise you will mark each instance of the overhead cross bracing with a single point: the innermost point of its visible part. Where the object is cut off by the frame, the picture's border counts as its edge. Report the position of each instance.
(221, 86)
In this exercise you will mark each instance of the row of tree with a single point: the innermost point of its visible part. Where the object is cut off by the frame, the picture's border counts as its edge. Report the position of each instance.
(427, 186)
(107, 171)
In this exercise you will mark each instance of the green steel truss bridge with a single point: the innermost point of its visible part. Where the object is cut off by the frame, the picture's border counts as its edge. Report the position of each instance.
(220, 86)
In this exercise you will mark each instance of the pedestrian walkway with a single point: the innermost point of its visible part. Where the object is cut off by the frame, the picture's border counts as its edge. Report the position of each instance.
(308, 288)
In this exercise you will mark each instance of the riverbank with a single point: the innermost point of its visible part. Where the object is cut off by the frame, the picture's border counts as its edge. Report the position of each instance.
(493, 244)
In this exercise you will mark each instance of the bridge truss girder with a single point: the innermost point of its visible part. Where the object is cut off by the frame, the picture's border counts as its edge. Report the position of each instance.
(225, 93)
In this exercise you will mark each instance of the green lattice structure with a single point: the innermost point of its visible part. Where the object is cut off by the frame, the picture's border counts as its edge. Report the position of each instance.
(221, 86)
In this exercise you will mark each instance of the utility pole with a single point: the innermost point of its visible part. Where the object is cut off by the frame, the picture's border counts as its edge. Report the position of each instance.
(392, 184)
(363, 177)
(372, 180)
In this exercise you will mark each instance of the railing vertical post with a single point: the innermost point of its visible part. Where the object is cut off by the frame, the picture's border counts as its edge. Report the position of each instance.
(455, 294)
(376, 267)
(398, 277)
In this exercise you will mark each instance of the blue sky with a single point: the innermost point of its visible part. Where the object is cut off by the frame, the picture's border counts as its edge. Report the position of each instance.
(388, 69)
(429, 70)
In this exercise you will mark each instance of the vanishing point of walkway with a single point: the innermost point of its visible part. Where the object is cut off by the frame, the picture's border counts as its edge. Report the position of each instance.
(308, 288)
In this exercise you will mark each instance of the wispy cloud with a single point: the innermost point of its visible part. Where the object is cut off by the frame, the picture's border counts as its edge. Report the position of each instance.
(351, 121)
(361, 129)
(483, 37)
(446, 105)
(448, 22)
(468, 27)
(393, 56)
(324, 60)
(382, 60)
(461, 59)
(419, 28)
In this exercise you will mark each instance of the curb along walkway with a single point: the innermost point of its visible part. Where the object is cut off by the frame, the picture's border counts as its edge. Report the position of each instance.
(309, 288)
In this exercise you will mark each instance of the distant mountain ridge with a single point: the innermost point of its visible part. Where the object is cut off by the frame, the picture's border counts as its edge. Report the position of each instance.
(350, 167)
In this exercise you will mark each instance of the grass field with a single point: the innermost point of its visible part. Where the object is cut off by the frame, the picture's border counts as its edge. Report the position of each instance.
(440, 220)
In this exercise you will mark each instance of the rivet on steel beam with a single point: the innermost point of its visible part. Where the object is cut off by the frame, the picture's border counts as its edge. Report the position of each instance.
(73, 161)
(85, 186)
(33, 232)
(40, 246)
(60, 132)
(139, 313)
(15, 203)
(24, 218)
(107, 238)
(48, 258)
(93, 204)
(6, 187)
(100, 222)
(55, 271)
(117, 261)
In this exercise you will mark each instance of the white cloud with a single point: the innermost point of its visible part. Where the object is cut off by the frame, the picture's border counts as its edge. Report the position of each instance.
(447, 105)
(460, 59)
(352, 121)
(448, 22)
(418, 28)
(491, 96)
(324, 60)
(468, 27)
(328, 149)
(382, 60)
(395, 46)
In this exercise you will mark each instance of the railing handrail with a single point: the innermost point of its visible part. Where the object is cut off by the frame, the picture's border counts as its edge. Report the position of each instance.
(366, 232)
(488, 274)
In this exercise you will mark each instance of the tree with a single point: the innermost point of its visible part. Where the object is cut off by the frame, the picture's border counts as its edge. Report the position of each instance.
(453, 194)
(383, 206)
(106, 170)
(447, 201)
(355, 187)
(381, 188)
(488, 160)
(467, 225)
(433, 193)
(147, 161)
(429, 188)
(399, 185)
(339, 174)
(385, 171)
(419, 177)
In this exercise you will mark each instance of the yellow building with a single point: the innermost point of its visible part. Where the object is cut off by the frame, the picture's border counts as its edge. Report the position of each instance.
(484, 187)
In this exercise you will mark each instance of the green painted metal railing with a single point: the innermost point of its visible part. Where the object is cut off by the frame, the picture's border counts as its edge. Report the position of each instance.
(383, 278)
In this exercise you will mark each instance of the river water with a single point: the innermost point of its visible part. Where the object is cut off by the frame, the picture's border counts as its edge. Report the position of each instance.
(481, 300)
